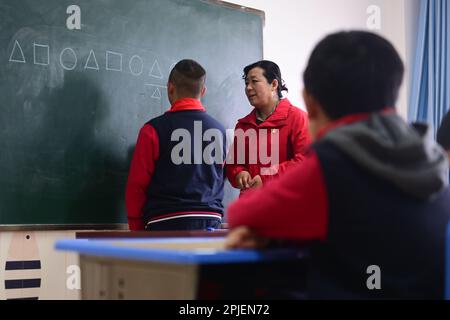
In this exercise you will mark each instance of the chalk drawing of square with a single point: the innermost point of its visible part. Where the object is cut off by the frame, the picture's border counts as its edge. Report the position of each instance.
(41, 54)
(114, 61)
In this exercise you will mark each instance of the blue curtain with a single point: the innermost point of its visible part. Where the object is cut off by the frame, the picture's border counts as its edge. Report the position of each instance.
(430, 94)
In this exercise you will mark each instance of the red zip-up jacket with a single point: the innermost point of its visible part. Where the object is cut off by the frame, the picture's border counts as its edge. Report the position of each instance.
(286, 128)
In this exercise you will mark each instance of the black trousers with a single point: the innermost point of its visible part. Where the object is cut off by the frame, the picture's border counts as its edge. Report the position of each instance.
(184, 224)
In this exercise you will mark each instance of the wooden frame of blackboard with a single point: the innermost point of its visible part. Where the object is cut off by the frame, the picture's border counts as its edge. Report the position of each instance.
(62, 227)
(239, 7)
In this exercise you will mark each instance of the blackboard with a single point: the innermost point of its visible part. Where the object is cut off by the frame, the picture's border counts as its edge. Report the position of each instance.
(78, 79)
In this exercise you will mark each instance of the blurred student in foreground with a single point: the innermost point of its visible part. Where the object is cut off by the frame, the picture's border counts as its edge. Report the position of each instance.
(371, 196)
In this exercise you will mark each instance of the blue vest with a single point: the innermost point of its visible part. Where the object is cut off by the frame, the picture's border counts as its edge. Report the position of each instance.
(197, 186)
(372, 223)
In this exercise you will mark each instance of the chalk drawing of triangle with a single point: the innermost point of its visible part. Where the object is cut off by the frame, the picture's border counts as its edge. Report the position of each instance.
(17, 53)
(155, 71)
(157, 94)
(89, 64)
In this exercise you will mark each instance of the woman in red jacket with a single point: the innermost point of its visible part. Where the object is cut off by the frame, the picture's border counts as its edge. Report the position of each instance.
(273, 137)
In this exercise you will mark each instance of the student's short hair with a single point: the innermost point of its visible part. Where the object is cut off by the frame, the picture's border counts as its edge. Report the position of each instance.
(271, 72)
(188, 76)
(354, 72)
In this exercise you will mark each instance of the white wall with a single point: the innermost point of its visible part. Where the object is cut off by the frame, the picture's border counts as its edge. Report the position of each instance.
(59, 270)
(412, 9)
(293, 27)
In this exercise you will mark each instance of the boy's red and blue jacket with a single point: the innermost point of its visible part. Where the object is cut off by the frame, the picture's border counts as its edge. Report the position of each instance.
(159, 188)
(371, 192)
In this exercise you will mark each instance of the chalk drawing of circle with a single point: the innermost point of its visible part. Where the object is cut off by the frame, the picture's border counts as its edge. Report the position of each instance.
(136, 65)
(64, 64)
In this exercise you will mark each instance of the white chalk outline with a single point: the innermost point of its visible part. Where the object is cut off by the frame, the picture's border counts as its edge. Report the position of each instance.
(142, 65)
(152, 74)
(34, 53)
(156, 90)
(91, 53)
(61, 62)
(157, 94)
(17, 44)
(155, 85)
(107, 62)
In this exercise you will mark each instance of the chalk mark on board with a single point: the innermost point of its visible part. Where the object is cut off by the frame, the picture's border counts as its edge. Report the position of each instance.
(117, 54)
(61, 59)
(17, 47)
(155, 71)
(157, 92)
(42, 47)
(91, 56)
(134, 73)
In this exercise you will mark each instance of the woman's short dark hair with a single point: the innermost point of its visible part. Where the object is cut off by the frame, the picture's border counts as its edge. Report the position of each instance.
(271, 72)
(354, 72)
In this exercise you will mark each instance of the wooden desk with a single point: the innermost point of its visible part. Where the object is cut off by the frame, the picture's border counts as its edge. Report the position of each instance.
(185, 268)
(150, 234)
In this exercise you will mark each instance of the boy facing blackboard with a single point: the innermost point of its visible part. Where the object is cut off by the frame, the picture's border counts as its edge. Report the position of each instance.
(176, 175)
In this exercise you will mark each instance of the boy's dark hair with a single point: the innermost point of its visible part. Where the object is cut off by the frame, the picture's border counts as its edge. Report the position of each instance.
(271, 72)
(354, 72)
(188, 76)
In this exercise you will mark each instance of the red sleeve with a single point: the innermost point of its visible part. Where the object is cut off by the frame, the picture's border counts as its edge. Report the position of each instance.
(299, 140)
(294, 207)
(232, 168)
(140, 175)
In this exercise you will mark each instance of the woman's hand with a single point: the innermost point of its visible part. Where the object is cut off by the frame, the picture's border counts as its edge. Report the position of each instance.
(256, 182)
(244, 238)
(243, 179)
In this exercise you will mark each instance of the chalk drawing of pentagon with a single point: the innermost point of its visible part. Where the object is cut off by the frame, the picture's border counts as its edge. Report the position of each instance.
(17, 53)
(136, 65)
(155, 71)
(114, 61)
(41, 54)
(91, 62)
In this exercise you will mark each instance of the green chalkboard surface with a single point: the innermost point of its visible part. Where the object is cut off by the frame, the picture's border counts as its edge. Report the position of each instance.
(78, 79)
